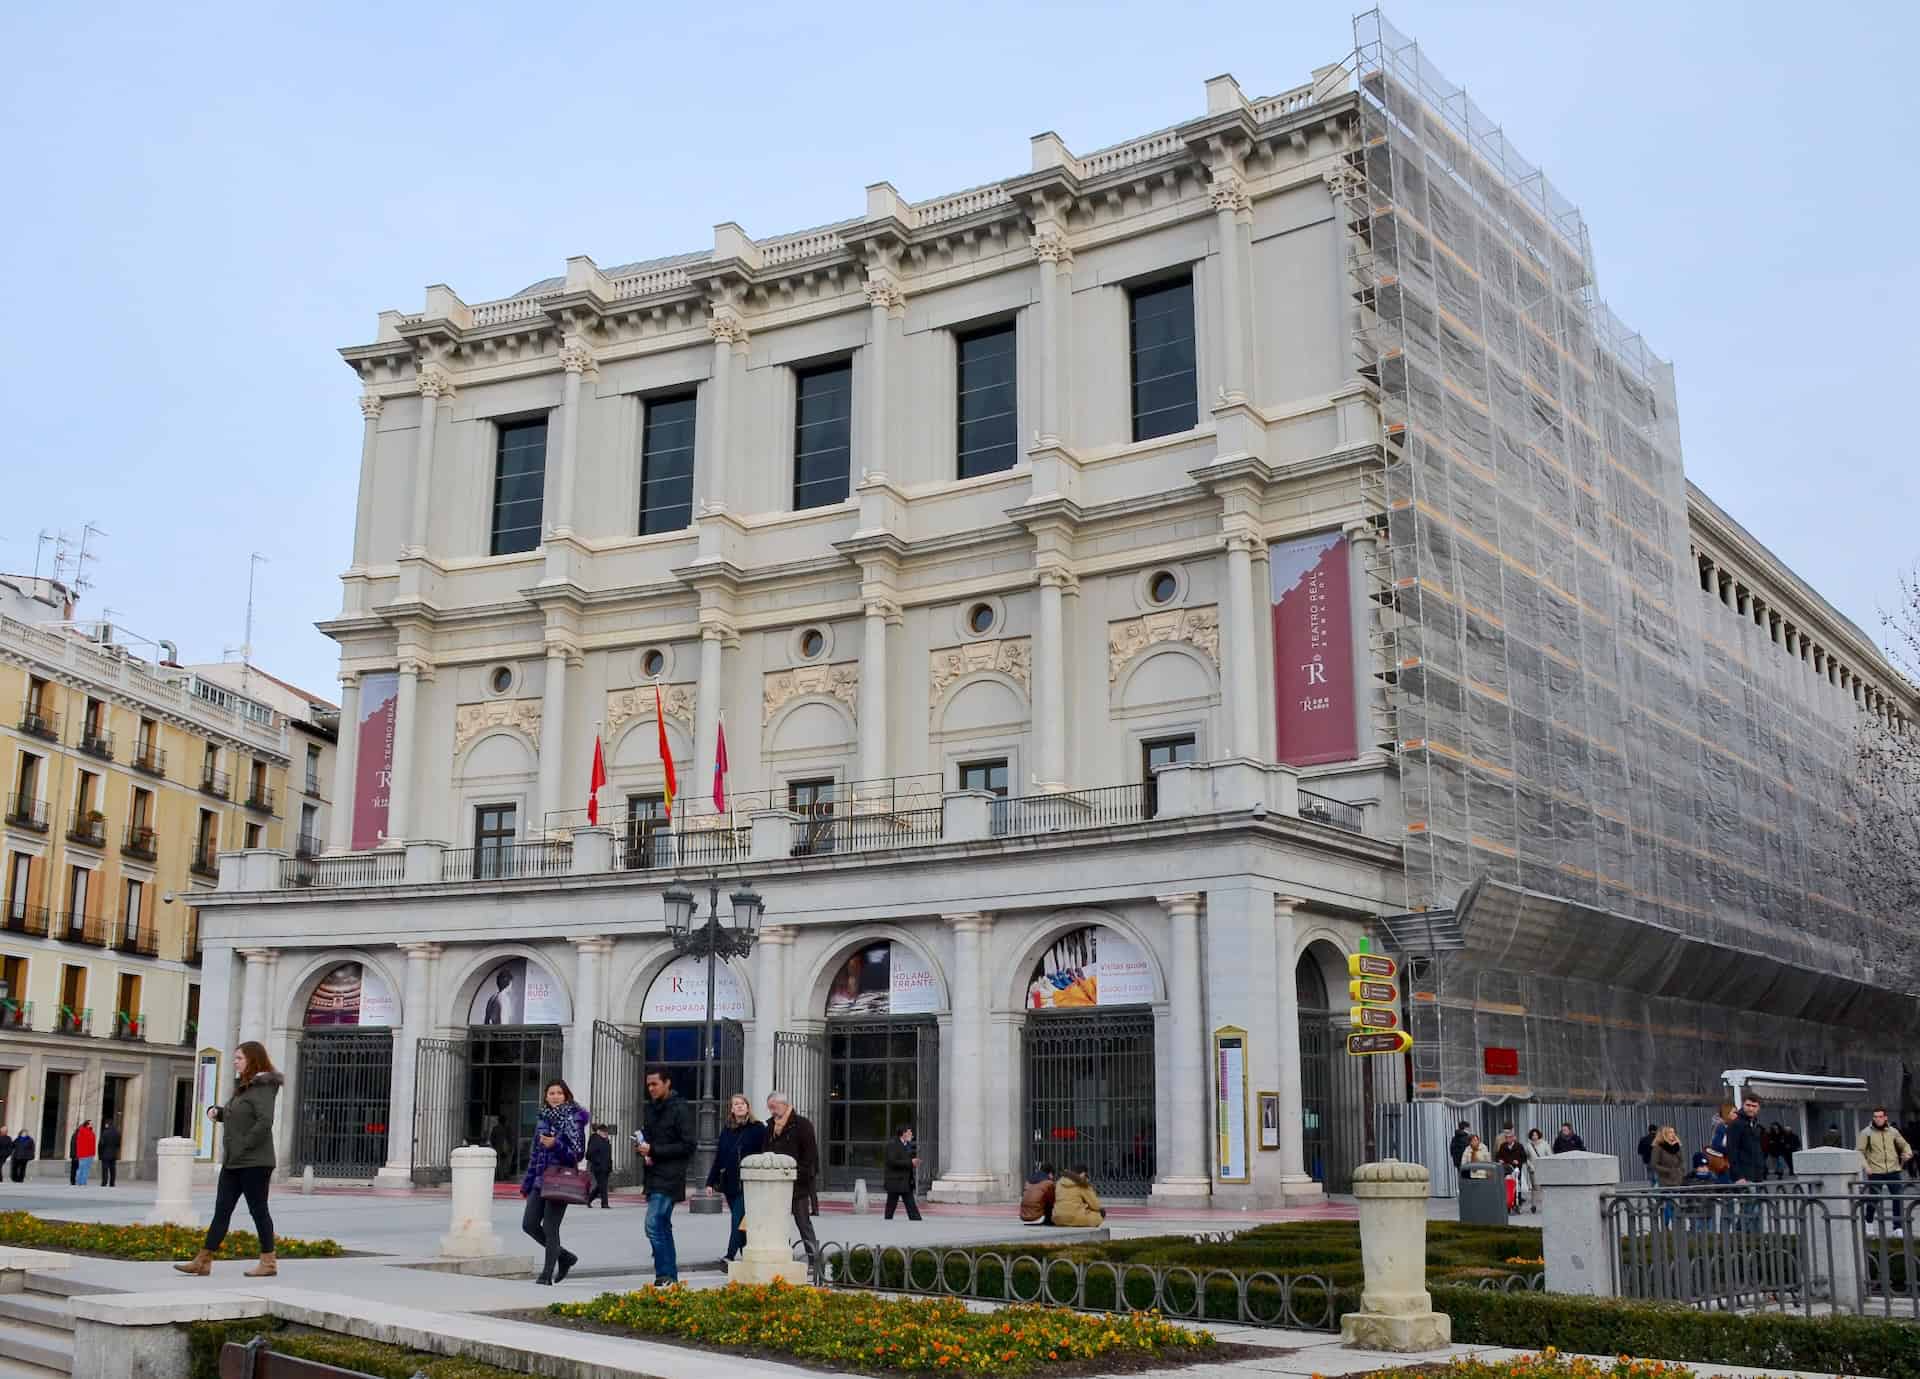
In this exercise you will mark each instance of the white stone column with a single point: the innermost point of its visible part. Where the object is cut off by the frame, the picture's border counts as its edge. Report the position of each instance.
(1232, 207)
(1055, 257)
(1050, 677)
(400, 791)
(886, 303)
(1575, 1239)
(553, 739)
(371, 406)
(254, 991)
(714, 637)
(577, 358)
(1240, 647)
(1295, 1181)
(1396, 1310)
(874, 763)
(769, 1009)
(1183, 1172)
(710, 482)
(590, 961)
(435, 386)
(416, 1018)
(963, 1149)
(346, 767)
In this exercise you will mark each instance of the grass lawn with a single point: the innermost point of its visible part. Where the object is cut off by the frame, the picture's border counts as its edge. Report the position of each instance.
(144, 1242)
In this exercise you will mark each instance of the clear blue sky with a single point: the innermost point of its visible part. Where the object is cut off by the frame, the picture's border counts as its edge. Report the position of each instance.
(208, 200)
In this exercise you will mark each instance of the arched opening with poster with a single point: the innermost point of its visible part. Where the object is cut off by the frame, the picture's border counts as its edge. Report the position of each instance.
(669, 1036)
(344, 1073)
(875, 1068)
(1088, 1054)
(1334, 1099)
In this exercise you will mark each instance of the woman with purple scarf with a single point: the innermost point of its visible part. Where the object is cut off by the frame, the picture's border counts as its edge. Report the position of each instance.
(560, 1139)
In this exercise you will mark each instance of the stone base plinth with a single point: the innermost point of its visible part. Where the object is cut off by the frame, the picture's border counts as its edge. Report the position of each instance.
(1401, 1335)
(963, 1187)
(1182, 1192)
(747, 1269)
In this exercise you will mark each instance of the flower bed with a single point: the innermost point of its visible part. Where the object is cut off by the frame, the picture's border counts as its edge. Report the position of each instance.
(852, 1330)
(144, 1242)
(349, 1353)
(1549, 1364)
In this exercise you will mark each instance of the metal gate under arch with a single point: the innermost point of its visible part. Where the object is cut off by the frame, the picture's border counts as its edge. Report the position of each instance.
(1334, 1102)
(345, 1091)
(621, 1056)
(439, 1107)
(854, 1081)
(1089, 1096)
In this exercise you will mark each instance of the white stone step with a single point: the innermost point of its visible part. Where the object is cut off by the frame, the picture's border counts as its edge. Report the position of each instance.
(30, 1343)
(38, 1308)
(20, 1369)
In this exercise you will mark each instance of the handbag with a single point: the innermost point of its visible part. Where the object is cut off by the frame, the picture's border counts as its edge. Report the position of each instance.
(1717, 1162)
(562, 1184)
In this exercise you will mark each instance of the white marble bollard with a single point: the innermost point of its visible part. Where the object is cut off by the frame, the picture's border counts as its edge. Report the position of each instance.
(470, 1231)
(862, 1199)
(1574, 1235)
(173, 1203)
(306, 1182)
(1830, 1171)
(768, 1180)
(1396, 1310)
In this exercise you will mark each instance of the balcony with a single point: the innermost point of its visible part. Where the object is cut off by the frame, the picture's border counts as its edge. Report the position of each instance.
(46, 725)
(80, 928)
(16, 1014)
(260, 797)
(140, 843)
(337, 873)
(205, 862)
(32, 921)
(130, 1027)
(97, 744)
(26, 813)
(215, 783)
(1324, 809)
(88, 827)
(313, 785)
(149, 760)
(139, 940)
(190, 944)
(307, 846)
(71, 1021)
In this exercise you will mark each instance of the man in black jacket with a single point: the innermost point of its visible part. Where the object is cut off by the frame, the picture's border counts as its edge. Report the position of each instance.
(790, 1133)
(109, 1151)
(903, 1163)
(664, 1147)
(1457, 1146)
(1746, 1144)
(600, 1164)
(1645, 1149)
(1566, 1142)
(22, 1154)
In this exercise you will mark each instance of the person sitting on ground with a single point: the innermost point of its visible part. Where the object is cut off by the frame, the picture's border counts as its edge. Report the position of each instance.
(1036, 1198)
(1075, 1203)
(1475, 1152)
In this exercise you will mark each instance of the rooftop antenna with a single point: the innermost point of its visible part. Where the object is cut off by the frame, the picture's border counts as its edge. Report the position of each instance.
(246, 648)
(80, 580)
(40, 549)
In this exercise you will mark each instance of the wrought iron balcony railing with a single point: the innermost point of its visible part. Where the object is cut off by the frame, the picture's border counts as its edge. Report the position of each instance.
(149, 759)
(25, 812)
(205, 863)
(46, 725)
(89, 827)
(97, 744)
(32, 921)
(140, 842)
(215, 783)
(260, 797)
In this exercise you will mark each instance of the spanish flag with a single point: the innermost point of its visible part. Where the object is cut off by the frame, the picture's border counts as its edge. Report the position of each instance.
(666, 752)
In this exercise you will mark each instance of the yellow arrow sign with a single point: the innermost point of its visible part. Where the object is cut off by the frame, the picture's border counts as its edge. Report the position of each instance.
(1372, 965)
(1373, 993)
(1373, 1017)
(1397, 1041)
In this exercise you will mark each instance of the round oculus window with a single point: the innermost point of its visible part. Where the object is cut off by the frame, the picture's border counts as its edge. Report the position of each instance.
(1163, 587)
(980, 618)
(812, 642)
(501, 680)
(654, 663)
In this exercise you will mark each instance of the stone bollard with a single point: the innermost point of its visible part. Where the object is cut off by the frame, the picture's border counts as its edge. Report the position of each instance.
(306, 1182)
(768, 1180)
(862, 1199)
(1575, 1237)
(1830, 1171)
(1396, 1310)
(470, 1230)
(173, 1202)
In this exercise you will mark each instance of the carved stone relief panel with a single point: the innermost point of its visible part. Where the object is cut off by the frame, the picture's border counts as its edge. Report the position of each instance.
(1197, 627)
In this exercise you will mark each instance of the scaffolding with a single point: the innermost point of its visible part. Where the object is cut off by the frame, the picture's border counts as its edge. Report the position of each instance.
(1568, 722)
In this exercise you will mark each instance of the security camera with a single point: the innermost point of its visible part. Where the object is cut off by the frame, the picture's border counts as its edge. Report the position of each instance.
(1259, 810)
(166, 898)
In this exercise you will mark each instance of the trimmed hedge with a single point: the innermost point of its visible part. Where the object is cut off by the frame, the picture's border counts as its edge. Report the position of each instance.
(145, 1242)
(1610, 1326)
(206, 1339)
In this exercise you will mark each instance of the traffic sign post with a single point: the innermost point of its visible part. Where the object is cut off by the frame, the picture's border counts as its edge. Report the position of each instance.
(1375, 1013)
(1372, 965)
(1395, 1041)
(1373, 993)
(1373, 1017)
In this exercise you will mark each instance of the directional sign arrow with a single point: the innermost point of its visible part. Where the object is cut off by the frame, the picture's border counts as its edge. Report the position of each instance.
(1398, 1041)
(1373, 993)
(1372, 965)
(1373, 1017)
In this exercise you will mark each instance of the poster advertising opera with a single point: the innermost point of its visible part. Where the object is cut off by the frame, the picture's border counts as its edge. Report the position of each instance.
(1090, 967)
(678, 995)
(518, 992)
(352, 994)
(1313, 656)
(884, 979)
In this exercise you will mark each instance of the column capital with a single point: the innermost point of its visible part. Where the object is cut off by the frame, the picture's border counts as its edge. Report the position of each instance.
(1242, 542)
(423, 952)
(563, 646)
(779, 935)
(726, 327)
(970, 922)
(372, 405)
(883, 608)
(1059, 577)
(1181, 904)
(259, 957)
(1287, 904)
(591, 943)
(719, 630)
(415, 667)
(349, 679)
(577, 356)
(884, 292)
(1229, 193)
(1050, 246)
(434, 382)
(1361, 530)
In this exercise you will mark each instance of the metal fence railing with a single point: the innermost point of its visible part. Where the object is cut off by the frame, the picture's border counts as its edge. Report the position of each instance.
(1325, 809)
(348, 870)
(866, 832)
(505, 861)
(1067, 810)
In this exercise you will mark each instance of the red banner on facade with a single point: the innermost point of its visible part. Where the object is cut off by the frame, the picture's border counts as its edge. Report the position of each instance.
(373, 758)
(1313, 651)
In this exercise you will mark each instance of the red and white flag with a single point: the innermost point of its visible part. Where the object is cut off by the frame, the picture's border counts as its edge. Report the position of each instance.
(599, 779)
(720, 768)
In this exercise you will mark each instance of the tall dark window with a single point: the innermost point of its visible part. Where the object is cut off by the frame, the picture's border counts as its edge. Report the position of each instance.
(649, 832)
(1166, 395)
(1163, 751)
(990, 776)
(519, 482)
(989, 426)
(492, 837)
(666, 465)
(812, 800)
(822, 435)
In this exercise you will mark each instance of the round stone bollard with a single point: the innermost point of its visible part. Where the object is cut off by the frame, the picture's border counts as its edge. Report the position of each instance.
(173, 1203)
(1396, 1311)
(470, 1231)
(768, 1180)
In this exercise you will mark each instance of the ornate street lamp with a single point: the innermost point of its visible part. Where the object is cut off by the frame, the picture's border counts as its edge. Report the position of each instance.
(713, 941)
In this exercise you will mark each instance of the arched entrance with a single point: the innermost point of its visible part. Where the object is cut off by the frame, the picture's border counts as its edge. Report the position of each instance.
(345, 1073)
(1088, 1056)
(1336, 1099)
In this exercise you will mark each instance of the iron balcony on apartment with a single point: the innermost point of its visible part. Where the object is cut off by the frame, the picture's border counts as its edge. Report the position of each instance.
(215, 783)
(97, 743)
(29, 921)
(205, 862)
(140, 843)
(76, 927)
(260, 797)
(87, 827)
(23, 811)
(149, 760)
(39, 724)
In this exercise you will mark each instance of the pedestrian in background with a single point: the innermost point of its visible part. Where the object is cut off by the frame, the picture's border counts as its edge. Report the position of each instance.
(666, 1144)
(6, 1147)
(1458, 1145)
(740, 1137)
(22, 1153)
(903, 1162)
(85, 1145)
(1537, 1149)
(247, 1160)
(1645, 1150)
(1566, 1142)
(109, 1152)
(1475, 1152)
(1036, 1198)
(600, 1165)
(790, 1133)
(1884, 1155)
(1075, 1203)
(559, 1141)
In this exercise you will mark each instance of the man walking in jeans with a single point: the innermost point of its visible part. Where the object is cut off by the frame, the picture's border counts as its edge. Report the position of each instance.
(1884, 1152)
(664, 1146)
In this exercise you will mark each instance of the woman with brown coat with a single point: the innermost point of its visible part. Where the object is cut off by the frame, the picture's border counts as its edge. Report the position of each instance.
(247, 1164)
(1669, 1160)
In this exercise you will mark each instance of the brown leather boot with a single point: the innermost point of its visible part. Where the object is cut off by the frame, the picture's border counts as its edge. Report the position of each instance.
(266, 1268)
(201, 1264)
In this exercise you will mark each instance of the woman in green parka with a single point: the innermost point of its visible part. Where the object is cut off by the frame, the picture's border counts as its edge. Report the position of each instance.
(247, 1164)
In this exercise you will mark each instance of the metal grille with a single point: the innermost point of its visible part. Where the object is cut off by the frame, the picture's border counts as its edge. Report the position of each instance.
(507, 1066)
(346, 1087)
(881, 1074)
(439, 1107)
(1335, 1099)
(618, 1073)
(800, 1070)
(1090, 1095)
